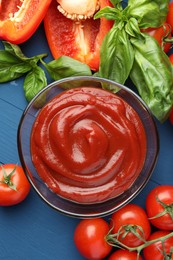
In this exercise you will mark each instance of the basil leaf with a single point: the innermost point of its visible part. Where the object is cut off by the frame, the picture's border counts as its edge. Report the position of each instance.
(164, 8)
(152, 74)
(117, 55)
(132, 28)
(21, 68)
(146, 12)
(66, 67)
(16, 51)
(109, 13)
(34, 81)
(115, 2)
(6, 57)
(11, 67)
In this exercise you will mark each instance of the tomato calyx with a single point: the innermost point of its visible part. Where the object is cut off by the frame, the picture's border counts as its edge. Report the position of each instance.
(167, 209)
(7, 178)
(166, 38)
(133, 229)
(112, 240)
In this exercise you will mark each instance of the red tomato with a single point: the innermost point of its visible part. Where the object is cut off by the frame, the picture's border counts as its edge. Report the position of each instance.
(89, 238)
(170, 15)
(14, 185)
(161, 34)
(158, 201)
(157, 250)
(131, 216)
(171, 117)
(171, 58)
(122, 254)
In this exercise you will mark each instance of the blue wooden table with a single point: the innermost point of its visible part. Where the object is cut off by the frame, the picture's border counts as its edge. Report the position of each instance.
(33, 230)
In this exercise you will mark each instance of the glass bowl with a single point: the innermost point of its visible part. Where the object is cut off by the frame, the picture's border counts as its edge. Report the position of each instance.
(68, 207)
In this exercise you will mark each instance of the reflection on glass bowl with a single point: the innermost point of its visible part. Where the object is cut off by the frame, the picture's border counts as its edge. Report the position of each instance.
(126, 145)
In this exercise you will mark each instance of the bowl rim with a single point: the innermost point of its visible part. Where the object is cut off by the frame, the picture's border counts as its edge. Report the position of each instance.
(132, 196)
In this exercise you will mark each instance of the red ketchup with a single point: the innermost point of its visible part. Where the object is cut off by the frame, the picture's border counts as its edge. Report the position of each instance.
(88, 145)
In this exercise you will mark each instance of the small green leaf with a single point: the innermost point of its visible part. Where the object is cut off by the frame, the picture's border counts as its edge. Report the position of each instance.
(148, 13)
(109, 13)
(16, 51)
(152, 74)
(117, 55)
(132, 28)
(66, 67)
(115, 2)
(21, 68)
(34, 81)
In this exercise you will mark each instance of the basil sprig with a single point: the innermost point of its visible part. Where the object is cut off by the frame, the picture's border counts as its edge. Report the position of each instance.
(152, 75)
(65, 66)
(127, 52)
(117, 59)
(14, 64)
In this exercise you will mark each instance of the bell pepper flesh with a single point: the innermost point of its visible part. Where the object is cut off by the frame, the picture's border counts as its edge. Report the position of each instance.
(80, 41)
(20, 19)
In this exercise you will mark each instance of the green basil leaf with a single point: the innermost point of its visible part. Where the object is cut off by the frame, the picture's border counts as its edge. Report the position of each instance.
(11, 67)
(6, 75)
(66, 67)
(7, 58)
(147, 13)
(132, 28)
(115, 2)
(21, 67)
(153, 76)
(163, 7)
(109, 13)
(34, 81)
(117, 55)
(16, 51)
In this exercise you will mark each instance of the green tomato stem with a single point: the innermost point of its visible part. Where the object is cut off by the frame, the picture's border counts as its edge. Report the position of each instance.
(113, 241)
(7, 178)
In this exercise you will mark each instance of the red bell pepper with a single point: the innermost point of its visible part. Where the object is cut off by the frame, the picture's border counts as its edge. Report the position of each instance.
(80, 41)
(19, 19)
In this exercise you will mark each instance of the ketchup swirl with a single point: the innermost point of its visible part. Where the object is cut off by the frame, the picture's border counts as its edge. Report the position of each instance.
(88, 145)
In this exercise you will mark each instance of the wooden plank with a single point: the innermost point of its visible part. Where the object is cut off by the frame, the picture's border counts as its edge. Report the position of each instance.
(9, 119)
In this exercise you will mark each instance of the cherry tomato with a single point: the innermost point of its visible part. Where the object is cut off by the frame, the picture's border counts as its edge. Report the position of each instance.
(171, 117)
(170, 15)
(89, 238)
(129, 219)
(171, 58)
(161, 34)
(160, 201)
(157, 250)
(122, 254)
(14, 185)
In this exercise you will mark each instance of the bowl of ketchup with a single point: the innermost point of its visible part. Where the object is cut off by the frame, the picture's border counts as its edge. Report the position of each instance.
(88, 145)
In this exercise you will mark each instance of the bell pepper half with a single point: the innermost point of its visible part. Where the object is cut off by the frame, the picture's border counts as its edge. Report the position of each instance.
(19, 19)
(78, 40)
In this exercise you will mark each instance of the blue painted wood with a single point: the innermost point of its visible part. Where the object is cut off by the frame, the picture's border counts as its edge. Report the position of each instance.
(32, 230)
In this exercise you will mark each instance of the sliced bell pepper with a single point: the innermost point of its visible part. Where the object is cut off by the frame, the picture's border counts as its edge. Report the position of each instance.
(79, 40)
(19, 19)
